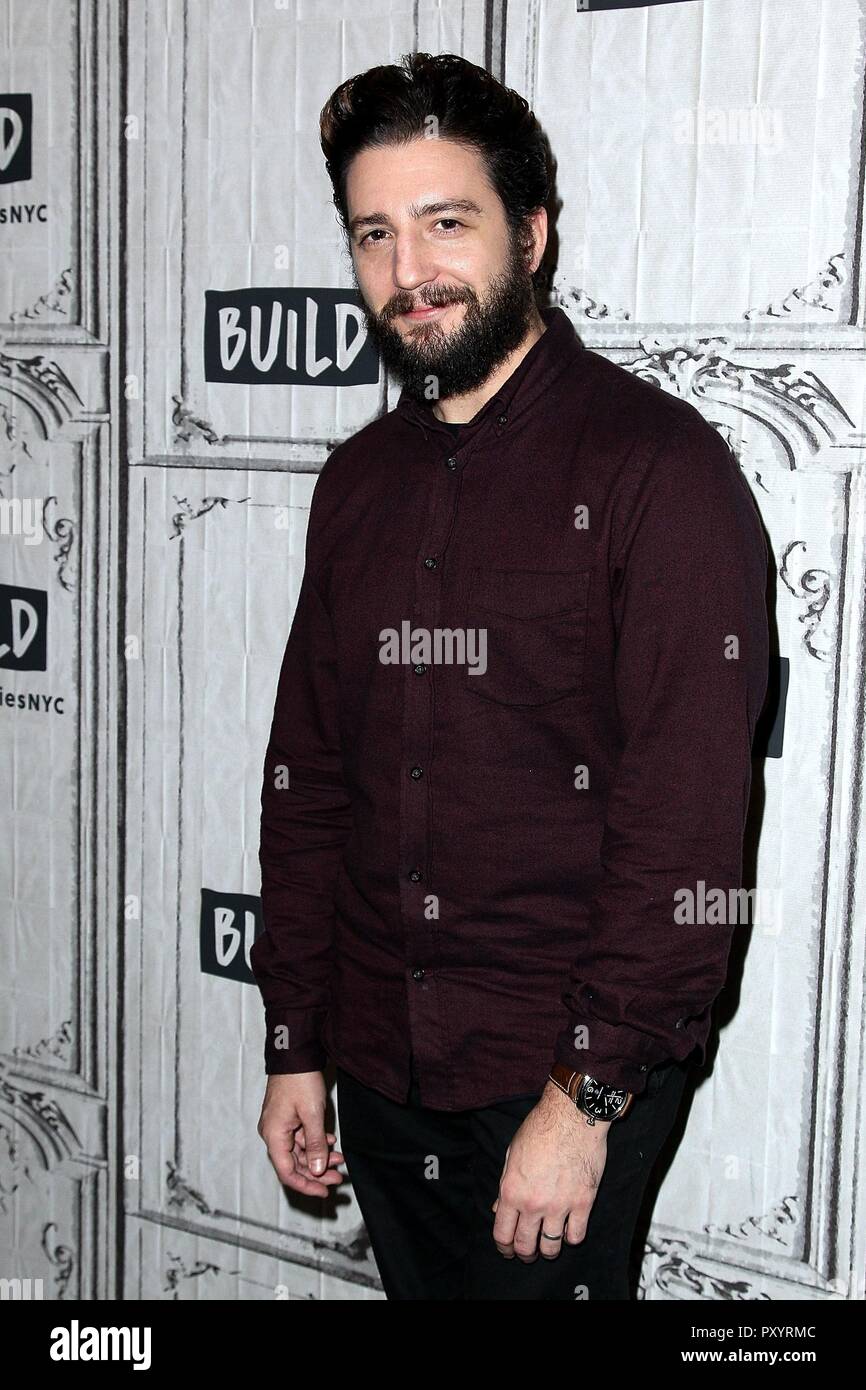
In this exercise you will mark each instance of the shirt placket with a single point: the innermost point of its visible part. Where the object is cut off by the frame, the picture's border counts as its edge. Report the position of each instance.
(419, 905)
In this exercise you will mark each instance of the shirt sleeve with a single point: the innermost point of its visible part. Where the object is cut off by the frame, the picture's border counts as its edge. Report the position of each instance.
(688, 584)
(305, 821)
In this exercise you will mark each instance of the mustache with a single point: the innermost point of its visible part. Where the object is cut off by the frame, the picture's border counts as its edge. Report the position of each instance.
(430, 301)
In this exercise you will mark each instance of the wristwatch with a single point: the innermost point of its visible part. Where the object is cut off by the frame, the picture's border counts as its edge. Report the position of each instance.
(595, 1101)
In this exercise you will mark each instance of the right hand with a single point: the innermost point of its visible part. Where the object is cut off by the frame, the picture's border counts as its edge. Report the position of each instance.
(292, 1124)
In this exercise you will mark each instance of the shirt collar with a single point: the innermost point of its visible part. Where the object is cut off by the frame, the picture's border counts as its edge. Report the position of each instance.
(549, 355)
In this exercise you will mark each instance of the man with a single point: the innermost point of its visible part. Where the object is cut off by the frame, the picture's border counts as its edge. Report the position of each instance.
(513, 726)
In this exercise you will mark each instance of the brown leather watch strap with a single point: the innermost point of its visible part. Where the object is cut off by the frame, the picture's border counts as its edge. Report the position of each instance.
(566, 1079)
(569, 1081)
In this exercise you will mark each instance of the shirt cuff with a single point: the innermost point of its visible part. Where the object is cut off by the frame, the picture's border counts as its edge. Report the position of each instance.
(614, 1056)
(292, 1044)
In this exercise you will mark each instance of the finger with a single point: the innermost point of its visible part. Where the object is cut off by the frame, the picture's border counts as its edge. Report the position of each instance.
(290, 1163)
(526, 1237)
(550, 1236)
(495, 1205)
(504, 1227)
(331, 1178)
(333, 1160)
(281, 1153)
(280, 1142)
(309, 1187)
(315, 1143)
(300, 1143)
(575, 1229)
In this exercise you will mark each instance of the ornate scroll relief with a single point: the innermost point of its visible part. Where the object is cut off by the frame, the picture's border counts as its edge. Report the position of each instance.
(812, 584)
(824, 292)
(187, 512)
(54, 302)
(177, 1271)
(777, 413)
(61, 1256)
(38, 384)
(775, 1225)
(190, 426)
(575, 300)
(58, 1044)
(48, 1135)
(37, 400)
(676, 1276)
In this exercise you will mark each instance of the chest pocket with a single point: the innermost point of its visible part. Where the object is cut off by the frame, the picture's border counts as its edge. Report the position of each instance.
(535, 624)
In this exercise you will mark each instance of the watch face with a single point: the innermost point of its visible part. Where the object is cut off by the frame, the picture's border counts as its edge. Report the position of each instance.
(602, 1102)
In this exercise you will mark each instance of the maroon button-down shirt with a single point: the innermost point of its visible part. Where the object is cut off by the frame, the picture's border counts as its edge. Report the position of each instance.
(477, 850)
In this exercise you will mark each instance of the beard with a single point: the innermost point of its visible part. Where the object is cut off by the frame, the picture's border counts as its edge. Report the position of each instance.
(461, 360)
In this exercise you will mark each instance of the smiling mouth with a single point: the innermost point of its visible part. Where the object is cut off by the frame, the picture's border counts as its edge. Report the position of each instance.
(425, 312)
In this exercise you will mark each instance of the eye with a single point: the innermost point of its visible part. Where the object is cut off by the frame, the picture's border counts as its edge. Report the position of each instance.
(376, 231)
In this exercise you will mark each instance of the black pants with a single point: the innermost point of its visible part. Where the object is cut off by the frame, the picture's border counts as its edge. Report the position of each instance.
(425, 1181)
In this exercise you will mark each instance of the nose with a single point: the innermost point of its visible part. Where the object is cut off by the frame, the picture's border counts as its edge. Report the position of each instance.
(414, 266)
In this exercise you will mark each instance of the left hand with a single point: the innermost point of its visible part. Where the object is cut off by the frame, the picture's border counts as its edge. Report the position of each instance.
(553, 1167)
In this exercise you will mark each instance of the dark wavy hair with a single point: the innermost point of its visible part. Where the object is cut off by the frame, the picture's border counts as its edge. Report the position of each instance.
(392, 104)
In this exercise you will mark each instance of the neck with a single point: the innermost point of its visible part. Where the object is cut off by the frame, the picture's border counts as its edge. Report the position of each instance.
(459, 410)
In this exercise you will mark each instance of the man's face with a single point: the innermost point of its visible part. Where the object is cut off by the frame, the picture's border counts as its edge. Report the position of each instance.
(447, 290)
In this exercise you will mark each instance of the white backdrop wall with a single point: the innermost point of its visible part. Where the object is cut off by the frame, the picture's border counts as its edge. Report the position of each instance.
(710, 177)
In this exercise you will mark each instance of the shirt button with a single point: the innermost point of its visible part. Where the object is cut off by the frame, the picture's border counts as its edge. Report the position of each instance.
(642, 1066)
(431, 562)
(680, 1023)
(416, 772)
(502, 420)
(419, 669)
(417, 973)
(451, 463)
(415, 874)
